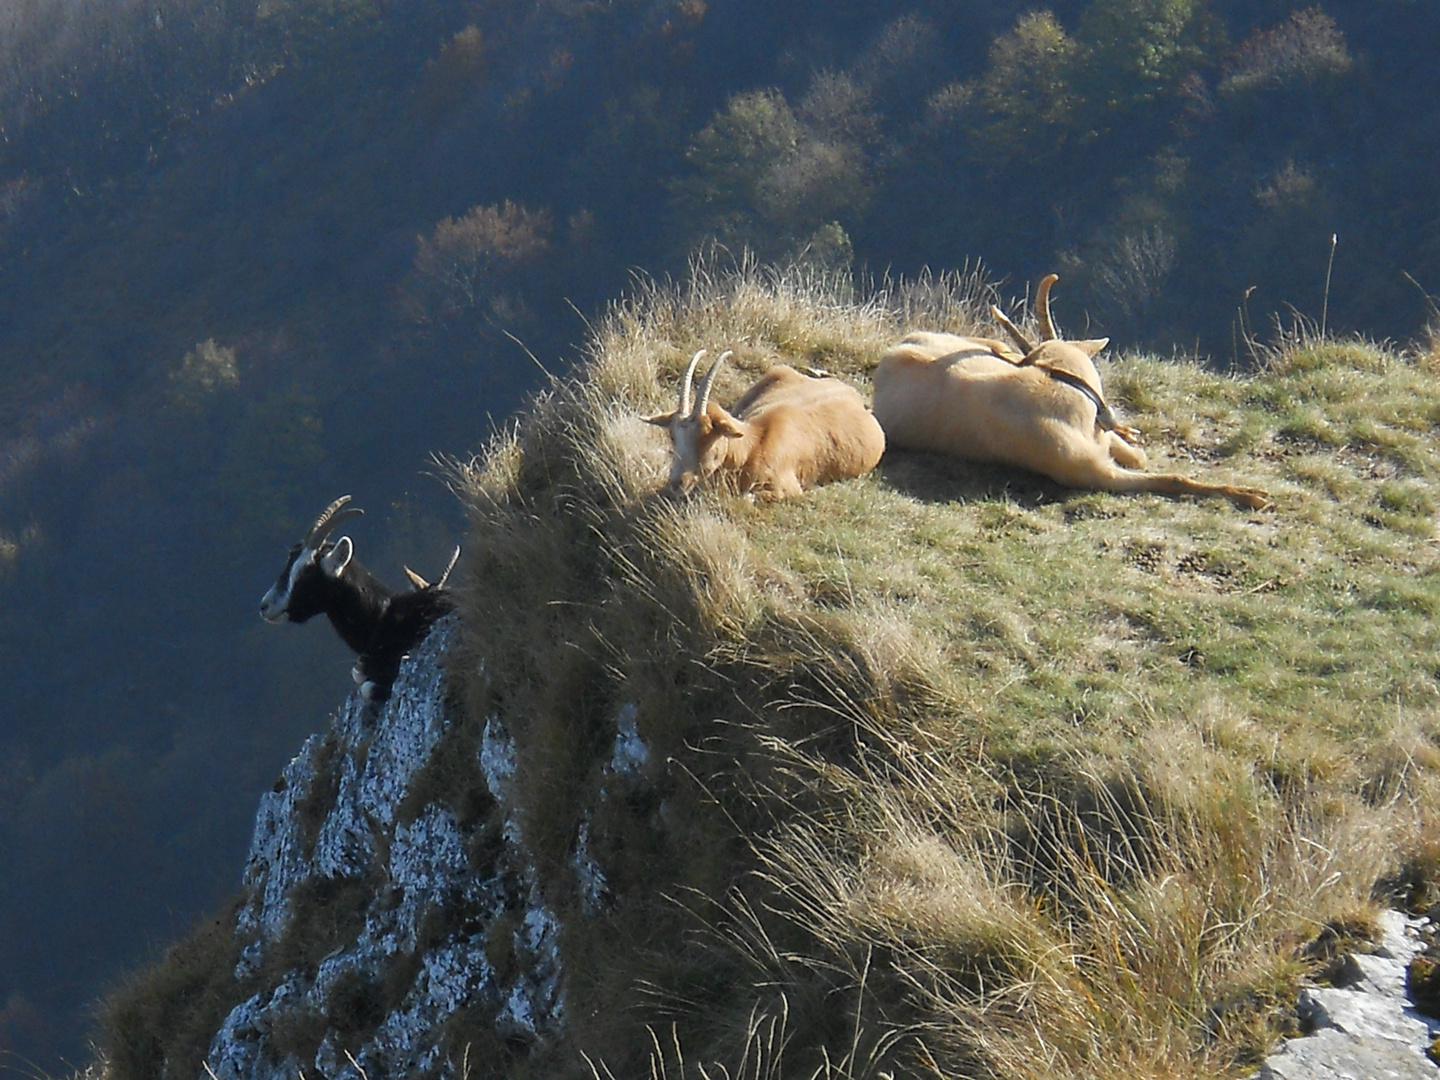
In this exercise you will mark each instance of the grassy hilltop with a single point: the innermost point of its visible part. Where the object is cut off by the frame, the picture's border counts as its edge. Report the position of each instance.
(950, 771)
(954, 769)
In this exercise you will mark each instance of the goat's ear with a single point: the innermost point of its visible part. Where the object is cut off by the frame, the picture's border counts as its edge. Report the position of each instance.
(726, 425)
(338, 557)
(1091, 347)
(660, 419)
(415, 579)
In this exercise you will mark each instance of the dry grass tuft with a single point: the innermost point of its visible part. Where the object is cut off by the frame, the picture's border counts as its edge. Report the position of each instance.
(161, 1020)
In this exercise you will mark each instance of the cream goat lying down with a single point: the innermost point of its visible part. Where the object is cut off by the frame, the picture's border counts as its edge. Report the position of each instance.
(789, 432)
(1043, 409)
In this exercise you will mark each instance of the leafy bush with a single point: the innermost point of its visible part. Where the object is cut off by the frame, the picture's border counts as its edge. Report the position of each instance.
(1024, 102)
(777, 181)
(1305, 48)
(474, 264)
(1137, 50)
(205, 370)
(453, 73)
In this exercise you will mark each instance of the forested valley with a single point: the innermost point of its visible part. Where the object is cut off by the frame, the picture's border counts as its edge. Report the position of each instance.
(257, 255)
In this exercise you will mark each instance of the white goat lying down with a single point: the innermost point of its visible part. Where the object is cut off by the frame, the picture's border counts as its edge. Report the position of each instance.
(1044, 410)
(789, 432)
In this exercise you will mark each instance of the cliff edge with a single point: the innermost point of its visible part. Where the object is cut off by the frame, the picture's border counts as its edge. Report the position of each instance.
(942, 771)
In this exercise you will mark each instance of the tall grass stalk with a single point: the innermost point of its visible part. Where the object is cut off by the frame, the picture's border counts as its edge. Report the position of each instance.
(1325, 299)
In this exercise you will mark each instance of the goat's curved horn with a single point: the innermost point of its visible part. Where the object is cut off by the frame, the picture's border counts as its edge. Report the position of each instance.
(330, 517)
(687, 383)
(704, 402)
(1042, 308)
(1013, 330)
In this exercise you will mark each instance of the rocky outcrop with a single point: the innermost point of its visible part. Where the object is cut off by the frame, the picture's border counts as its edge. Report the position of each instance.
(394, 922)
(1364, 1027)
(388, 896)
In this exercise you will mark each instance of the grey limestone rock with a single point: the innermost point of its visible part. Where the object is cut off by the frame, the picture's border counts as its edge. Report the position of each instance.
(1367, 1029)
(339, 826)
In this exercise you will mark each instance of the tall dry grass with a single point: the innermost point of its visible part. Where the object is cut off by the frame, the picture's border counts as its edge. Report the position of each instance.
(934, 793)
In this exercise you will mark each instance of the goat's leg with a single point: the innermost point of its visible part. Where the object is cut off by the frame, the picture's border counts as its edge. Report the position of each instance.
(1088, 464)
(1122, 451)
(779, 486)
(1173, 484)
(1128, 434)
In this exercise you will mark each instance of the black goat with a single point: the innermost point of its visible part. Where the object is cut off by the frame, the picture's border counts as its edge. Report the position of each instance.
(381, 625)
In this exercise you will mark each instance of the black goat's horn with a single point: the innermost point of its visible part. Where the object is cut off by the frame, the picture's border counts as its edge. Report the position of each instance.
(445, 577)
(328, 519)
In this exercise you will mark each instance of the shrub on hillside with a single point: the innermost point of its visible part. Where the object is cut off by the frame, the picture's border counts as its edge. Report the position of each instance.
(476, 264)
(1130, 272)
(1024, 102)
(1138, 50)
(1305, 48)
(453, 73)
(204, 371)
(780, 181)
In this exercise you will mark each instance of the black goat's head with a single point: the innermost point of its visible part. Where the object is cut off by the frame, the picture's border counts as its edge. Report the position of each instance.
(301, 590)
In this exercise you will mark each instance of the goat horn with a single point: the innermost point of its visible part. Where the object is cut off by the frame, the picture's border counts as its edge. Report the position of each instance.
(687, 383)
(1012, 330)
(704, 402)
(445, 577)
(328, 519)
(1042, 308)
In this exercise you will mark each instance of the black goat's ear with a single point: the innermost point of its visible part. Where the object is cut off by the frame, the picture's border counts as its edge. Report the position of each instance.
(338, 557)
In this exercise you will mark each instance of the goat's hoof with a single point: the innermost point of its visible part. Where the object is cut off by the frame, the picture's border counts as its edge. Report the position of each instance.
(1255, 499)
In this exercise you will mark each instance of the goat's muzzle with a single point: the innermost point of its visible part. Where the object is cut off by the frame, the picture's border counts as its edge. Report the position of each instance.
(271, 609)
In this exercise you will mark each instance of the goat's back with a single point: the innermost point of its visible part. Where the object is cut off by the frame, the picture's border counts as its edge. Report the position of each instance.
(814, 429)
(933, 345)
(972, 404)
